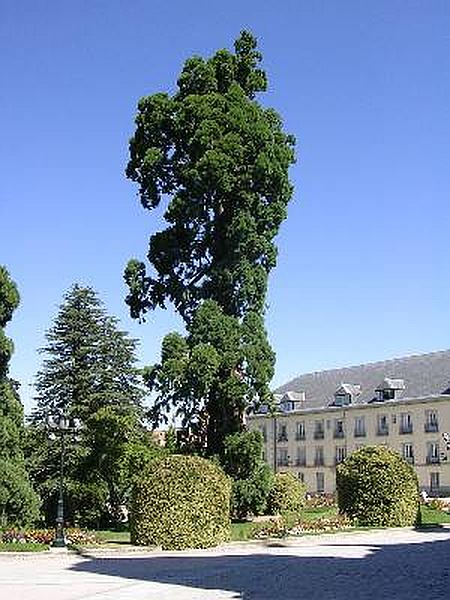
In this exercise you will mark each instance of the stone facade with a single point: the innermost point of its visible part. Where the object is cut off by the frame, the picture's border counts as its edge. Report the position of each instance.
(310, 440)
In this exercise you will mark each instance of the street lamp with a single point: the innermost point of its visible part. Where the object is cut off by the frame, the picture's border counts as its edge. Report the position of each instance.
(60, 425)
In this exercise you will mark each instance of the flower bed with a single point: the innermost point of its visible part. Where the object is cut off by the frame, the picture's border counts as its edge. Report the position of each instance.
(74, 536)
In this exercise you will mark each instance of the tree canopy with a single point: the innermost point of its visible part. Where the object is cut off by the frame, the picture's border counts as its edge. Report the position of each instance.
(18, 502)
(220, 161)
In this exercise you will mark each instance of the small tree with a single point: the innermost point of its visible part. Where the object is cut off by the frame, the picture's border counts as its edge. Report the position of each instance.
(252, 477)
(18, 502)
(377, 487)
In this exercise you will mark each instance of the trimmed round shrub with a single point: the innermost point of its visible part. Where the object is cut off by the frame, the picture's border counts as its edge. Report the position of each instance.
(287, 495)
(376, 487)
(181, 502)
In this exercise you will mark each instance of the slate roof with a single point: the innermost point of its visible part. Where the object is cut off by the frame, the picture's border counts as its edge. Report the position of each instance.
(423, 375)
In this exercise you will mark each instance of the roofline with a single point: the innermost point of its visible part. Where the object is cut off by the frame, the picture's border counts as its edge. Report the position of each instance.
(369, 364)
(365, 405)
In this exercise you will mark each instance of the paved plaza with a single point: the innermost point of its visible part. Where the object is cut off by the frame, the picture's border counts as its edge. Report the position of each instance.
(395, 564)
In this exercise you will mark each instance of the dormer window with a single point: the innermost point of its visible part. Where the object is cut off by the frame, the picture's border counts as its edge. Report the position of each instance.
(389, 389)
(291, 401)
(346, 394)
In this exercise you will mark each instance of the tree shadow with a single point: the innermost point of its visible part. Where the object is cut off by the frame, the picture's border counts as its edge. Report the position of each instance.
(341, 571)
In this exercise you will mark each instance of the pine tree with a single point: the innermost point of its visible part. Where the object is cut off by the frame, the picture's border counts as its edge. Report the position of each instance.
(89, 374)
(18, 502)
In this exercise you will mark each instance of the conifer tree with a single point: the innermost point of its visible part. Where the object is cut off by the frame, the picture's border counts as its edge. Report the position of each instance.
(221, 161)
(18, 502)
(88, 374)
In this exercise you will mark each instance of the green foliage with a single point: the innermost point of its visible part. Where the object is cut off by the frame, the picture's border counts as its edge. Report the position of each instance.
(250, 495)
(287, 495)
(252, 477)
(18, 502)
(222, 160)
(376, 487)
(181, 502)
(243, 454)
(89, 373)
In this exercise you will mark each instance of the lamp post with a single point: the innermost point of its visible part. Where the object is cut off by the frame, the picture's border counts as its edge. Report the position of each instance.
(60, 425)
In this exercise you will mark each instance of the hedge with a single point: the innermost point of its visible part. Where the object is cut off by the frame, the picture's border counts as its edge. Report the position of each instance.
(377, 487)
(181, 502)
(287, 495)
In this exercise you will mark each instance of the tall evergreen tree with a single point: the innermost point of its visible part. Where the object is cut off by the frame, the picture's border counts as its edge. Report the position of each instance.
(89, 374)
(18, 502)
(222, 160)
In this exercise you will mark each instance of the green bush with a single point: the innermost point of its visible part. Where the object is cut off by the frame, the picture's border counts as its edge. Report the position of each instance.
(181, 502)
(376, 487)
(252, 478)
(287, 495)
(250, 495)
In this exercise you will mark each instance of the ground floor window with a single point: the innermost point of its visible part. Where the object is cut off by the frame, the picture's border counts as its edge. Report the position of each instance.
(434, 483)
(320, 483)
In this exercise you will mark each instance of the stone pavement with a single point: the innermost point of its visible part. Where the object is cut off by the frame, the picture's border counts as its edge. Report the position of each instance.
(399, 564)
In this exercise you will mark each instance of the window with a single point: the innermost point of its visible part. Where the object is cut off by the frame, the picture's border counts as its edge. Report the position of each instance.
(434, 483)
(282, 457)
(360, 427)
(431, 421)
(340, 454)
(408, 453)
(282, 433)
(387, 394)
(383, 425)
(342, 399)
(301, 477)
(301, 456)
(432, 453)
(320, 483)
(339, 428)
(318, 430)
(318, 457)
(406, 425)
(300, 430)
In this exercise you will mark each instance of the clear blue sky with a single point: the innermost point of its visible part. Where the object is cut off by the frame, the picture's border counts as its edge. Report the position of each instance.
(363, 270)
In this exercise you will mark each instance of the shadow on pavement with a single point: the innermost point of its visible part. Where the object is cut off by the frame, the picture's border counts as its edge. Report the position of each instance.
(393, 572)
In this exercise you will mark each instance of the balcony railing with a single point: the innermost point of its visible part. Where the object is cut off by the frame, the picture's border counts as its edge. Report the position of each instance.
(433, 460)
(409, 459)
(319, 434)
(338, 434)
(383, 431)
(282, 462)
(318, 461)
(300, 462)
(408, 428)
(282, 437)
(431, 427)
(300, 436)
(360, 433)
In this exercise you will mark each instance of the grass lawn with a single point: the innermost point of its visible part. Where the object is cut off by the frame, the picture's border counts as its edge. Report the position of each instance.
(22, 547)
(431, 516)
(113, 537)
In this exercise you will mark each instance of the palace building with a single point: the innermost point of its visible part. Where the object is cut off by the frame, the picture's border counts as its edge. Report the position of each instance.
(322, 417)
